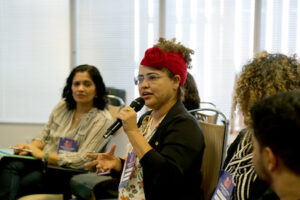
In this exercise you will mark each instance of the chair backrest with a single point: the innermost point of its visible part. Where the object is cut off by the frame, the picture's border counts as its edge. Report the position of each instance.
(206, 103)
(215, 137)
(115, 104)
(212, 158)
(115, 100)
(117, 92)
(206, 114)
(205, 117)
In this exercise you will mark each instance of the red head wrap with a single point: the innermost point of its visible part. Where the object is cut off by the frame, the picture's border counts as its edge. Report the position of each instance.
(156, 58)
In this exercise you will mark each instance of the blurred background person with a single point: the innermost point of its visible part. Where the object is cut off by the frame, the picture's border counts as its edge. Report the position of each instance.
(75, 127)
(191, 98)
(263, 76)
(276, 125)
(165, 152)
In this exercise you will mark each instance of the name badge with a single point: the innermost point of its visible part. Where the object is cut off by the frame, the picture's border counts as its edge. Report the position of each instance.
(224, 187)
(67, 144)
(129, 166)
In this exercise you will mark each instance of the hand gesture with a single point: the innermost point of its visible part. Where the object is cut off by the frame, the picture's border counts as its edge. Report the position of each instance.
(105, 161)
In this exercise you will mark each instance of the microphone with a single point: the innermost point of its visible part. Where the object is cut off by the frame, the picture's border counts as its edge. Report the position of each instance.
(137, 105)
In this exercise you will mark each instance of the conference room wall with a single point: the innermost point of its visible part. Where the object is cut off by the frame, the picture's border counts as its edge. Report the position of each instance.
(14, 133)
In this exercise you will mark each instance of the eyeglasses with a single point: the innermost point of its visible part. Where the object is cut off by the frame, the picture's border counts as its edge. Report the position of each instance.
(150, 78)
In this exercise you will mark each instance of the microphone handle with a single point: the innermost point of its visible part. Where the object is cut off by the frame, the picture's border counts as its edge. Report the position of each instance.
(118, 123)
(113, 128)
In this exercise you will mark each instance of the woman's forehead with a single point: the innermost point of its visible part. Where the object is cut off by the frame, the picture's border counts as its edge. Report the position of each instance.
(146, 70)
(82, 75)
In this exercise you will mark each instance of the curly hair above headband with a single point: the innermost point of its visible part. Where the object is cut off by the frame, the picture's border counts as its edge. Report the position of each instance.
(171, 45)
(265, 75)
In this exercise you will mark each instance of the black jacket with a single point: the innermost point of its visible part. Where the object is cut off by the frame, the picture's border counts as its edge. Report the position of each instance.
(172, 168)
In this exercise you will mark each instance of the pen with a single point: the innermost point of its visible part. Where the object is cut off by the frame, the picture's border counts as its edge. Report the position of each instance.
(103, 173)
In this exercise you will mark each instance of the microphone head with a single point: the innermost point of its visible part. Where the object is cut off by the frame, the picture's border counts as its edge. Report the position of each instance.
(137, 104)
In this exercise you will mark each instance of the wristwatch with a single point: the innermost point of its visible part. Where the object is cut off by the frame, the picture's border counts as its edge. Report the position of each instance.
(45, 157)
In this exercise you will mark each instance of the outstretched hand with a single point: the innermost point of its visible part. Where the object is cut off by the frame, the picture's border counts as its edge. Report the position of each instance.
(105, 161)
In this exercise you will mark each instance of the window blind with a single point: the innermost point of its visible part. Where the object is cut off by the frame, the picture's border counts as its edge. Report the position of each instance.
(34, 58)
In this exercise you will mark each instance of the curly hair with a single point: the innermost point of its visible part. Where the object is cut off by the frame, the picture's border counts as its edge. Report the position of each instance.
(100, 100)
(171, 45)
(265, 75)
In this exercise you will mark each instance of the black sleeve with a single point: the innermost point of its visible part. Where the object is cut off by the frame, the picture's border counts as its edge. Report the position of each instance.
(116, 174)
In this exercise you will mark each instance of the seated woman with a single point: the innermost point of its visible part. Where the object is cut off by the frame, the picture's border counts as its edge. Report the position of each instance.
(263, 76)
(75, 127)
(191, 98)
(165, 152)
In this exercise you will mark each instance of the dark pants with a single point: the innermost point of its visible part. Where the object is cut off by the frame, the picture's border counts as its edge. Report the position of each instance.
(19, 177)
(102, 187)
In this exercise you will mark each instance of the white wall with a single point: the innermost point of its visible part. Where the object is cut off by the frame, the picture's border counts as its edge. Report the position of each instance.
(34, 58)
(11, 133)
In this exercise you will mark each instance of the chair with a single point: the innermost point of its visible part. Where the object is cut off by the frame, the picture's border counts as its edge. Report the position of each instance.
(115, 104)
(121, 93)
(215, 136)
(205, 116)
(115, 100)
(208, 103)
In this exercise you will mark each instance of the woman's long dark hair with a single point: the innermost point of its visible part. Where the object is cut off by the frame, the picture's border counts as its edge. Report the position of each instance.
(191, 98)
(100, 100)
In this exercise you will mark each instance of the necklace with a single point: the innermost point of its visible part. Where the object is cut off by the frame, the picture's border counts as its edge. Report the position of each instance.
(151, 127)
(77, 116)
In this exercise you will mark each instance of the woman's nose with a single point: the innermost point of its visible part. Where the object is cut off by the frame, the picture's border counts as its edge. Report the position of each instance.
(81, 87)
(144, 83)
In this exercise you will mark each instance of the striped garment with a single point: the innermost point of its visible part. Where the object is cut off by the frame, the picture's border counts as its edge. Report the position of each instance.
(88, 133)
(241, 168)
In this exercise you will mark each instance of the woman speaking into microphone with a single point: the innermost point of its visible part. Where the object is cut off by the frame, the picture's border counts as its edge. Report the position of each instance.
(166, 146)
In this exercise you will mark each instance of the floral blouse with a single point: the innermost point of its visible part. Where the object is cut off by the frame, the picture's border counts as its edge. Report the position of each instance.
(134, 188)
